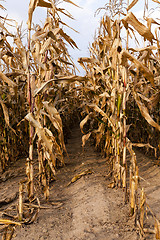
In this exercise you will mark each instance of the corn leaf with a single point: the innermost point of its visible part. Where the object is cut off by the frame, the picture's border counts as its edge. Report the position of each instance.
(42, 3)
(83, 122)
(139, 27)
(156, 1)
(69, 1)
(132, 4)
(140, 66)
(43, 135)
(145, 113)
(7, 80)
(78, 176)
(85, 138)
(8, 222)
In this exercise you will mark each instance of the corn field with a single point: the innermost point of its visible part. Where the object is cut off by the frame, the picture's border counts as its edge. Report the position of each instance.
(116, 103)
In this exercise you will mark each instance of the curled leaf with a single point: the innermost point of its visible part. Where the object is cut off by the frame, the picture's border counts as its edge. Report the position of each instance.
(139, 27)
(85, 138)
(78, 176)
(83, 122)
(145, 113)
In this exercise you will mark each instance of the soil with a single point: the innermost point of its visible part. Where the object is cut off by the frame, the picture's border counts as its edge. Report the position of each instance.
(85, 209)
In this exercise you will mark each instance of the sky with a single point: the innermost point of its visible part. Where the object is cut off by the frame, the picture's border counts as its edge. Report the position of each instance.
(85, 21)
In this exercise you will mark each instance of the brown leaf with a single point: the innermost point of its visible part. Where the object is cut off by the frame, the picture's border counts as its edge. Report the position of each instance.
(145, 113)
(132, 4)
(85, 138)
(6, 115)
(8, 222)
(140, 66)
(65, 79)
(32, 6)
(78, 176)
(42, 3)
(69, 1)
(46, 44)
(43, 135)
(7, 80)
(156, 1)
(147, 145)
(2, 7)
(97, 109)
(68, 38)
(83, 122)
(56, 120)
(139, 27)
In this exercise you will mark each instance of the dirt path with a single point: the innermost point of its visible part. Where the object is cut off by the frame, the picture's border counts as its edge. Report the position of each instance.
(86, 209)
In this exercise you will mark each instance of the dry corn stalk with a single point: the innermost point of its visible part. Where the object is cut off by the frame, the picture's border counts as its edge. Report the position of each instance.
(20, 205)
(142, 205)
(157, 229)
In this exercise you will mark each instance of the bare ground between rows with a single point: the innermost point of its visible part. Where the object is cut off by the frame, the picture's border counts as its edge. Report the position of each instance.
(86, 209)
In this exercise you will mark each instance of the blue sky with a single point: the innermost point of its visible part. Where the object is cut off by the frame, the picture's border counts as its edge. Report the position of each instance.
(85, 21)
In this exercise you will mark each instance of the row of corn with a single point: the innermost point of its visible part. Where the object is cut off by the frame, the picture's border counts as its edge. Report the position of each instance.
(120, 100)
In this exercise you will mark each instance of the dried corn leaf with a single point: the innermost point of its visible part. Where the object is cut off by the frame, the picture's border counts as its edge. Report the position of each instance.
(63, 61)
(32, 6)
(87, 59)
(7, 80)
(43, 135)
(32, 217)
(132, 4)
(154, 99)
(139, 65)
(151, 21)
(156, 1)
(8, 222)
(145, 113)
(105, 94)
(56, 120)
(71, 78)
(139, 27)
(78, 176)
(68, 26)
(46, 44)
(52, 35)
(143, 49)
(67, 38)
(97, 109)
(83, 122)
(144, 145)
(142, 202)
(6, 115)
(107, 25)
(39, 35)
(3, 27)
(157, 229)
(2, 7)
(42, 3)
(64, 79)
(66, 14)
(85, 138)
(69, 1)
(115, 50)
